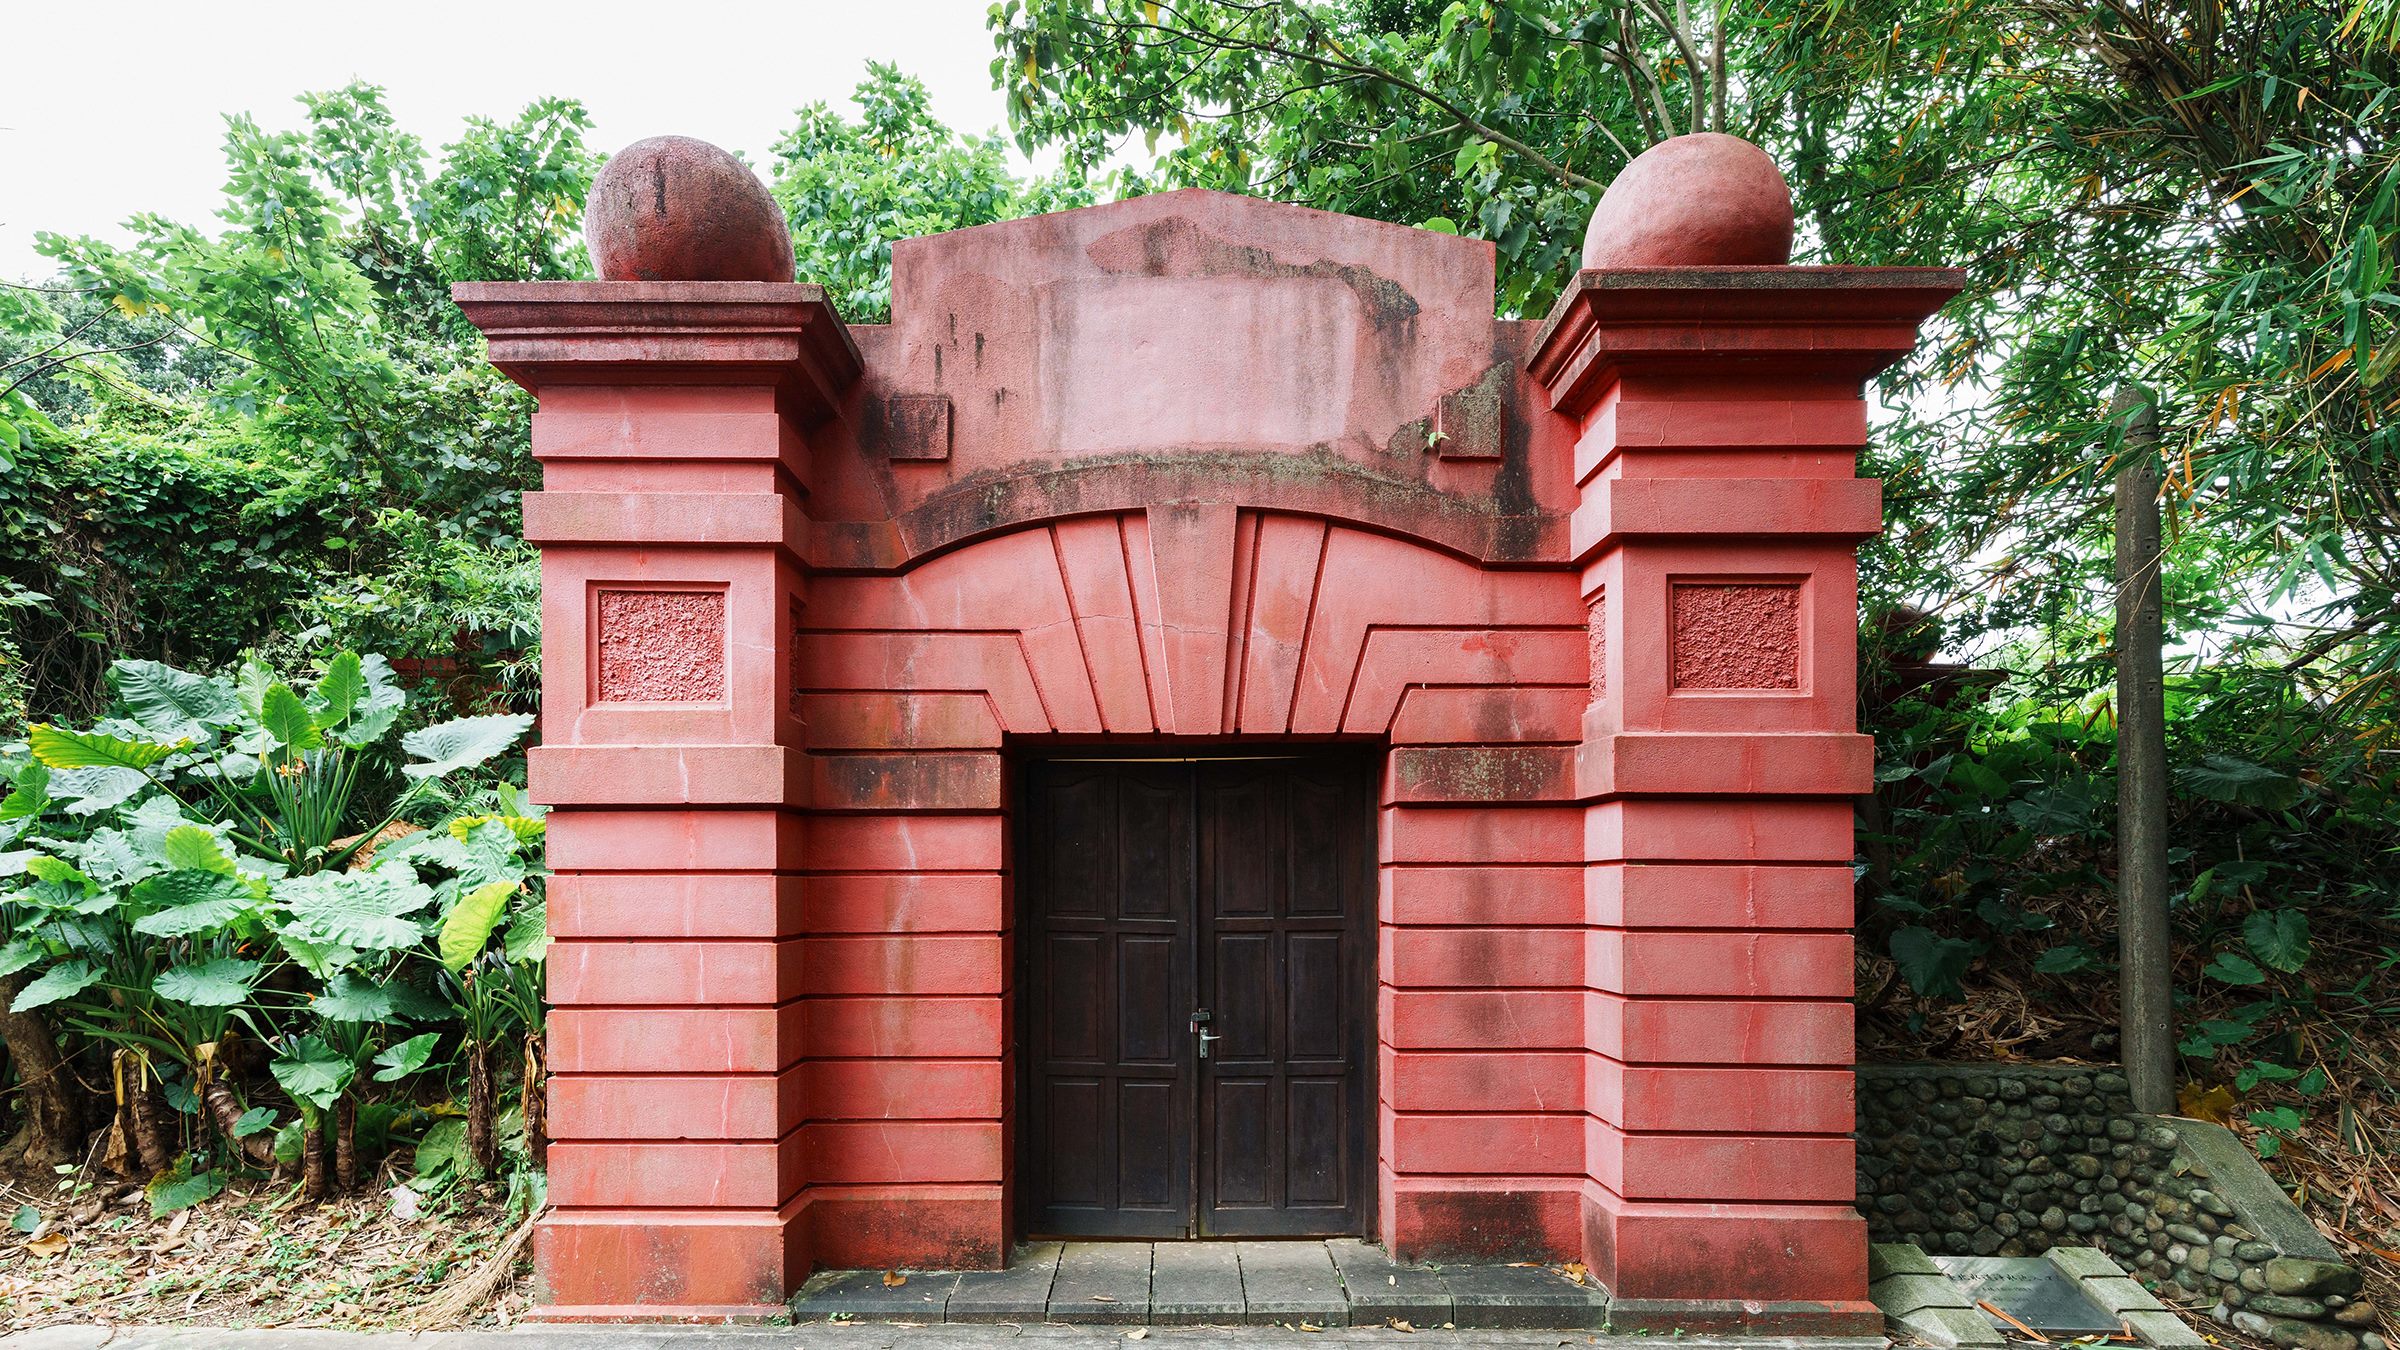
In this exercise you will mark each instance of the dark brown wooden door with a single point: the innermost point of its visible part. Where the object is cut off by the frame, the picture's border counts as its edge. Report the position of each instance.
(1166, 902)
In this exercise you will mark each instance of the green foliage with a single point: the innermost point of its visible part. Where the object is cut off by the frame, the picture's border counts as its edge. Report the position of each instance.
(222, 892)
(1989, 850)
(1502, 119)
(850, 189)
(219, 429)
(181, 1188)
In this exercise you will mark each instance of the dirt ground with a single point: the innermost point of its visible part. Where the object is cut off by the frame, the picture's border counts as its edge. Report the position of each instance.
(255, 1256)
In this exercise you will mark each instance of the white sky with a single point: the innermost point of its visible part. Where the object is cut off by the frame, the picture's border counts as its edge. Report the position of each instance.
(111, 107)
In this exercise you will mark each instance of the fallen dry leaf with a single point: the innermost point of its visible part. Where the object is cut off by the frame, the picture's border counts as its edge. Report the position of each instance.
(1104, 1298)
(1138, 1334)
(893, 1279)
(47, 1246)
(1401, 1324)
(2212, 1104)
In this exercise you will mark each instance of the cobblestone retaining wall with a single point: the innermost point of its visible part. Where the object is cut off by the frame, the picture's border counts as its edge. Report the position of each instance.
(2011, 1160)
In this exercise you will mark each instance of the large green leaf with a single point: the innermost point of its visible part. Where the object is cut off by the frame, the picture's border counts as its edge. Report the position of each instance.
(1931, 964)
(288, 719)
(221, 982)
(60, 748)
(377, 709)
(338, 692)
(321, 959)
(19, 954)
(444, 1148)
(492, 852)
(29, 794)
(189, 902)
(195, 847)
(171, 704)
(350, 997)
(399, 1061)
(2224, 778)
(528, 937)
(447, 747)
(171, 1192)
(312, 1072)
(470, 923)
(366, 910)
(2233, 970)
(2278, 937)
(87, 792)
(64, 980)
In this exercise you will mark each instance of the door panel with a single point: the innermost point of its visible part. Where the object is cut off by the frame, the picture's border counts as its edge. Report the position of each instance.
(1152, 889)
(1109, 1114)
(1284, 871)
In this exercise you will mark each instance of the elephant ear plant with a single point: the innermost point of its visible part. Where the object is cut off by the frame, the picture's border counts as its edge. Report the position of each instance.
(202, 872)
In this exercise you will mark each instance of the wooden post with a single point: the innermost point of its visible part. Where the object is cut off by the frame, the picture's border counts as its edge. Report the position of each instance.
(2145, 1000)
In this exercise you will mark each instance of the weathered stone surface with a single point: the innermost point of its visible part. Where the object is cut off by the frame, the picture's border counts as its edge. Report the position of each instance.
(2304, 1276)
(1703, 200)
(1291, 1282)
(1104, 1282)
(672, 208)
(1021, 1292)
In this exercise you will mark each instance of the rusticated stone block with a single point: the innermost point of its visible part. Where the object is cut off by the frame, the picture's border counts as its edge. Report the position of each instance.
(1737, 635)
(660, 646)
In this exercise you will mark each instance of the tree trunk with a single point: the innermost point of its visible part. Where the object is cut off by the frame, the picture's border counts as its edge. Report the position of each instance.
(312, 1155)
(2145, 997)
(345, 1144)
(479, 1108)
(536, 1103)
(225, 1111)
(46, 1137)
(149, 1121)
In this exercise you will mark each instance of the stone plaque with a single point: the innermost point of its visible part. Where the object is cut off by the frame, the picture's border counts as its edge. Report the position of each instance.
(2029, 1289)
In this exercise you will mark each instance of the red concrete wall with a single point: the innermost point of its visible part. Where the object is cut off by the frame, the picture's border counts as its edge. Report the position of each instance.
(1201, 470)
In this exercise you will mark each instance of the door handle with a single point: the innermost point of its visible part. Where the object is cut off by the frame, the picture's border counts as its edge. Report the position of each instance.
(1200, 1029)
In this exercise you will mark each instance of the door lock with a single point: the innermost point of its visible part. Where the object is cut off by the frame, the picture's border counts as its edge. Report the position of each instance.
(1200, 1019)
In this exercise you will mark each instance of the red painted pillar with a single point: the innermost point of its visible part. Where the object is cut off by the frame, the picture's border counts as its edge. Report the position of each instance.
(674, 476)
(1720, 419)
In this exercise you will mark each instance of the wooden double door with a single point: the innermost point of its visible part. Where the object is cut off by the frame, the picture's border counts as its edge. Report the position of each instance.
(1196, 1009)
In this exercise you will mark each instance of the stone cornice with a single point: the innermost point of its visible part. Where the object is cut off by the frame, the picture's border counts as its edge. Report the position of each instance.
(673, 332)
(1842, 323)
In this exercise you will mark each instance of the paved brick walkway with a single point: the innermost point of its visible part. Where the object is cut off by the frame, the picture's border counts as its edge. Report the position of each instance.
(1341, 1283)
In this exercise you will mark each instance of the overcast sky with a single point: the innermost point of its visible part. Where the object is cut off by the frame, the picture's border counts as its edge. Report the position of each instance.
(111, 107)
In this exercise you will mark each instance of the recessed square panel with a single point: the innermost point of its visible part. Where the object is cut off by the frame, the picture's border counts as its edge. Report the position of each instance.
(1736, 634)
(659, 646)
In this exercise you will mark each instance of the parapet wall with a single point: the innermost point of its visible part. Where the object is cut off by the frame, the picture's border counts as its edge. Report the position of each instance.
(2012, 1160)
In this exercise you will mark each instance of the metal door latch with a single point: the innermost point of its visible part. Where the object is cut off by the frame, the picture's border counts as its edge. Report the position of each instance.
(1200, 1029)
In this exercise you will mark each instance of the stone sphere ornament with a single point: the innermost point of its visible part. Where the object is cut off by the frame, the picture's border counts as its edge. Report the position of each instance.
(672, 208)
(1703, 200)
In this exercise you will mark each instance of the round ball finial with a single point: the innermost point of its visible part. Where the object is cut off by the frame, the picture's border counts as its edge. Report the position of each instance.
(1703, 200)
(671, 208)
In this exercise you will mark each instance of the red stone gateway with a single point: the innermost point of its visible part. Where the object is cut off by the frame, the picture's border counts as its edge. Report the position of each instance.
(1194, 729)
